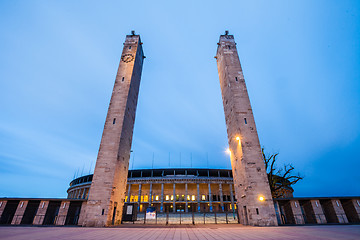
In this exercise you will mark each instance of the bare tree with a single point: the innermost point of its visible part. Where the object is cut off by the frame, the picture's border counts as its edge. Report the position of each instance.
(280, 179)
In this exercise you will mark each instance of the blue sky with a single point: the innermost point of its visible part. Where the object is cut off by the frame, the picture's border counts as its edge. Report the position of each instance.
(58, 61)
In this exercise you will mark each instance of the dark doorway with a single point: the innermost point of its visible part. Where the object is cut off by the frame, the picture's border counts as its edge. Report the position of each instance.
(307, 212)
(30, 212)
(350, 211)
(72, 216)
(286, 214)
(9, 211)
(114, 213)
(329, 211)
(191, 207)
(246, 222)
(52, 213)
(180, 207)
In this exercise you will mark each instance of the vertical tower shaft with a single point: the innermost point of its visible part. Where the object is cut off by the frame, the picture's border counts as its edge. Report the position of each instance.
(254, 201)
(108, 187)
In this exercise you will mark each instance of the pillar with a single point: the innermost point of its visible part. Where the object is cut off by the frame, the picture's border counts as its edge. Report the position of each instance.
(232, 197)
(40, 214)
(139, 197)
(198, 197)
(339, 211)
(162, 198)
(108, 186)
(249, 173)
(129, 193)
(210, 198)
(150, 195)
(355, 202)
(221, 197)
(2, 207)
(186, 197)
(318, 211)
(19, 213)
(174, 198)
(296, 209)
(63, 210)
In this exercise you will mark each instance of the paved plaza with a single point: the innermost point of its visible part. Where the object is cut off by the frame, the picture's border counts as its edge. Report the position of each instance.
(208, 232)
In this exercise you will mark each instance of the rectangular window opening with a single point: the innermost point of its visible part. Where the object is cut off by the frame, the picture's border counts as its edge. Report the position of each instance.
(102, 212)
(236, 79)
(129, 47)
(245, 120)
(114, 120)
(257, 211)
(123, 78)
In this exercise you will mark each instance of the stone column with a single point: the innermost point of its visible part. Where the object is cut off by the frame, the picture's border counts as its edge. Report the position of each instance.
(63, 210)
(186, 197)
(232, 198)
(221, 197)
(83, 193)
(174, 198)
(210, 198)
(139, 197)
(296, 209)
(339, 211)
(150, 195)
(108, 186)
(19, 213)
(40, 214)
(82, 212)
(162, 198)
(129, 193)
(249, 173)
(2, 207)
(355, 202)
(198, 197)
(318, 211)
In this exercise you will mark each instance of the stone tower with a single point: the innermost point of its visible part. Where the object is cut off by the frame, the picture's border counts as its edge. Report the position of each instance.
(254, 201)
(108, 187)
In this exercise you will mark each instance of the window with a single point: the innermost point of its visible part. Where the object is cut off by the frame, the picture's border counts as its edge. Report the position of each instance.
(167, 198)
(146, 198)
(129, 47)
(193, 198)
(157, 198)
(236, 79)
(114, 120)
(257, 211)
(172, 197)
(188, 197)
(123, 78)
(245, 120)
(102, 212)
(203, 197)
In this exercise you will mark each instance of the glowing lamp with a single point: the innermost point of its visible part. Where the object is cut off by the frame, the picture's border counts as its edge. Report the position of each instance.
(228, 151)
(261, 198)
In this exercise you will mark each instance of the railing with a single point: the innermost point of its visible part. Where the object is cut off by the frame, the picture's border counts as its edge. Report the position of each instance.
(189, 218)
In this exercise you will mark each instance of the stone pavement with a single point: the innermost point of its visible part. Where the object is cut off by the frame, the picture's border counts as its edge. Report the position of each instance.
(208, 232)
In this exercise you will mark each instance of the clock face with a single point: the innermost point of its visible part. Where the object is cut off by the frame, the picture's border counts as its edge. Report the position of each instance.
(127, 58)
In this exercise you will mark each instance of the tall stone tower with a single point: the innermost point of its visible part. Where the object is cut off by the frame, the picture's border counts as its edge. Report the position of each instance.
(107, 191)
(254, 201)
